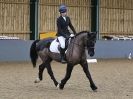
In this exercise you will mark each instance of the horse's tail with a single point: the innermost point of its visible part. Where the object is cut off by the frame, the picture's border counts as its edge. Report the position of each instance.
(33, 53)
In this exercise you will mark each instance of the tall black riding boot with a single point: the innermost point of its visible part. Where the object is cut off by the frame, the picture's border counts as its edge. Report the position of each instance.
(62, 53)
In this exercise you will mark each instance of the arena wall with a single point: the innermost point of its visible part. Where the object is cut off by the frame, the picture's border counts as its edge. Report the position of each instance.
(79, 12)
(14, 50)
(15, 18)
(18, 50)
(113, 49)
(116, 17)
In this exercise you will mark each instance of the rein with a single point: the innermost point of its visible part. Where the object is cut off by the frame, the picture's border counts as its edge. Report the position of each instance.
(80, 45)
(76, 43)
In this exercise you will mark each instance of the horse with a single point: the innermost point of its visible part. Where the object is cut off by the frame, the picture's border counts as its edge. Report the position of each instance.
(75, 54)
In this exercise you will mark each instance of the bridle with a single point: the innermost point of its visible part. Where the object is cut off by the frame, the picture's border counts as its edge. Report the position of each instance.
(86, 47)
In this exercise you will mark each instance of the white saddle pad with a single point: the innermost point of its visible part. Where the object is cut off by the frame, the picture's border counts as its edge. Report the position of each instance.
(54, 46)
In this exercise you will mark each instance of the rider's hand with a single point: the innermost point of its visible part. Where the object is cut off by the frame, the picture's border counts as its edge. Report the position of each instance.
(72, 35)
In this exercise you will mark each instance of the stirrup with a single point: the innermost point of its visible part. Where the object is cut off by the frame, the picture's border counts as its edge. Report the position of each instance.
(63, 60)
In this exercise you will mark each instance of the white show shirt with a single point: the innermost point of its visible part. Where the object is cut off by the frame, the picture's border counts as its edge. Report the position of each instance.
(64, 18)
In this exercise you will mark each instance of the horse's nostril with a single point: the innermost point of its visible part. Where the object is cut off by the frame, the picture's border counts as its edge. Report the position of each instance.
(91, 53)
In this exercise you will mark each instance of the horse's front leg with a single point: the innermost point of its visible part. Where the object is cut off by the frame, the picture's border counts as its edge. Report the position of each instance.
(67, 76)
(86, 70)
(50, 72)
(40, 74)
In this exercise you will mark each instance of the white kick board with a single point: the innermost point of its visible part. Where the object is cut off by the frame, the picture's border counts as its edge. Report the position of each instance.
(92, 60)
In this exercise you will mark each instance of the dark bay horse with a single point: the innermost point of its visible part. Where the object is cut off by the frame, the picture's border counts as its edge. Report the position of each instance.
(75, 55)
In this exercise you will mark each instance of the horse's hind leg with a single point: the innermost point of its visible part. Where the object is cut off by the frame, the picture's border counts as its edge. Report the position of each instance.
(67, 76)
(50, 72)
(40, 76)
(86, 70)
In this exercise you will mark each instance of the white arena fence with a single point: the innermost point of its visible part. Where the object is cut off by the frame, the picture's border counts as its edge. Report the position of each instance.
(112, 37)
(8, 38)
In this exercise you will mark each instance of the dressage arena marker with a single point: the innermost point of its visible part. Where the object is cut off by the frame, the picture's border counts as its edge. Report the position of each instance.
(130, 56)
(92, 60)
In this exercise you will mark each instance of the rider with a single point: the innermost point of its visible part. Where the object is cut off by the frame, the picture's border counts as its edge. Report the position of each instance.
(63, 21)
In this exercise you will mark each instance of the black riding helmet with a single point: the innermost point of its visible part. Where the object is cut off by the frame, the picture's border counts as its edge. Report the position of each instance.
(62, 8)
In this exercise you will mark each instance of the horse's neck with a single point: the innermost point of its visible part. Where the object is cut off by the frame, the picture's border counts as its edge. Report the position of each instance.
(78, 43)
(80, 39)
(76, 49)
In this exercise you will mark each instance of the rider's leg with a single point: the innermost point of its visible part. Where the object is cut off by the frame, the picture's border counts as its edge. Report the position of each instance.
(62, 52)
(62, 48)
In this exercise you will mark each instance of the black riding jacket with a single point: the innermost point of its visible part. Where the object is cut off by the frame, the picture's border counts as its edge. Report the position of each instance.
(62, 27)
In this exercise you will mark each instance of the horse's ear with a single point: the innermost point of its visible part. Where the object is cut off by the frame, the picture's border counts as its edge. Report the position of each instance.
(89, 35)
(93, 34)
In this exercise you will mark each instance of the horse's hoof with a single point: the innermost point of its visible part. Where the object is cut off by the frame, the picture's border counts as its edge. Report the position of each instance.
(94, 88)
(37, 80)
(61, 87)
(56, 84)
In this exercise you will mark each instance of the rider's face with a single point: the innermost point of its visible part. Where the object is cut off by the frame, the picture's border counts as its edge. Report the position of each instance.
(63, 14)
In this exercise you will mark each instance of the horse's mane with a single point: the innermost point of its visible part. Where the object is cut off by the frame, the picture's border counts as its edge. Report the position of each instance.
(81, 33)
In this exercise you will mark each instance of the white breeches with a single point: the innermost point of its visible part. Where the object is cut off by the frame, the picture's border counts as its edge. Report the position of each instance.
(61, 41)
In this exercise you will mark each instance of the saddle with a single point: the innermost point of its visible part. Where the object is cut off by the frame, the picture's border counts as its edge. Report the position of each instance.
(45, 43)
(55, 45)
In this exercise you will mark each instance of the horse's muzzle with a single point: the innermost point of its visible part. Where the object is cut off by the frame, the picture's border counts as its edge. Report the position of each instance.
(91, 53)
